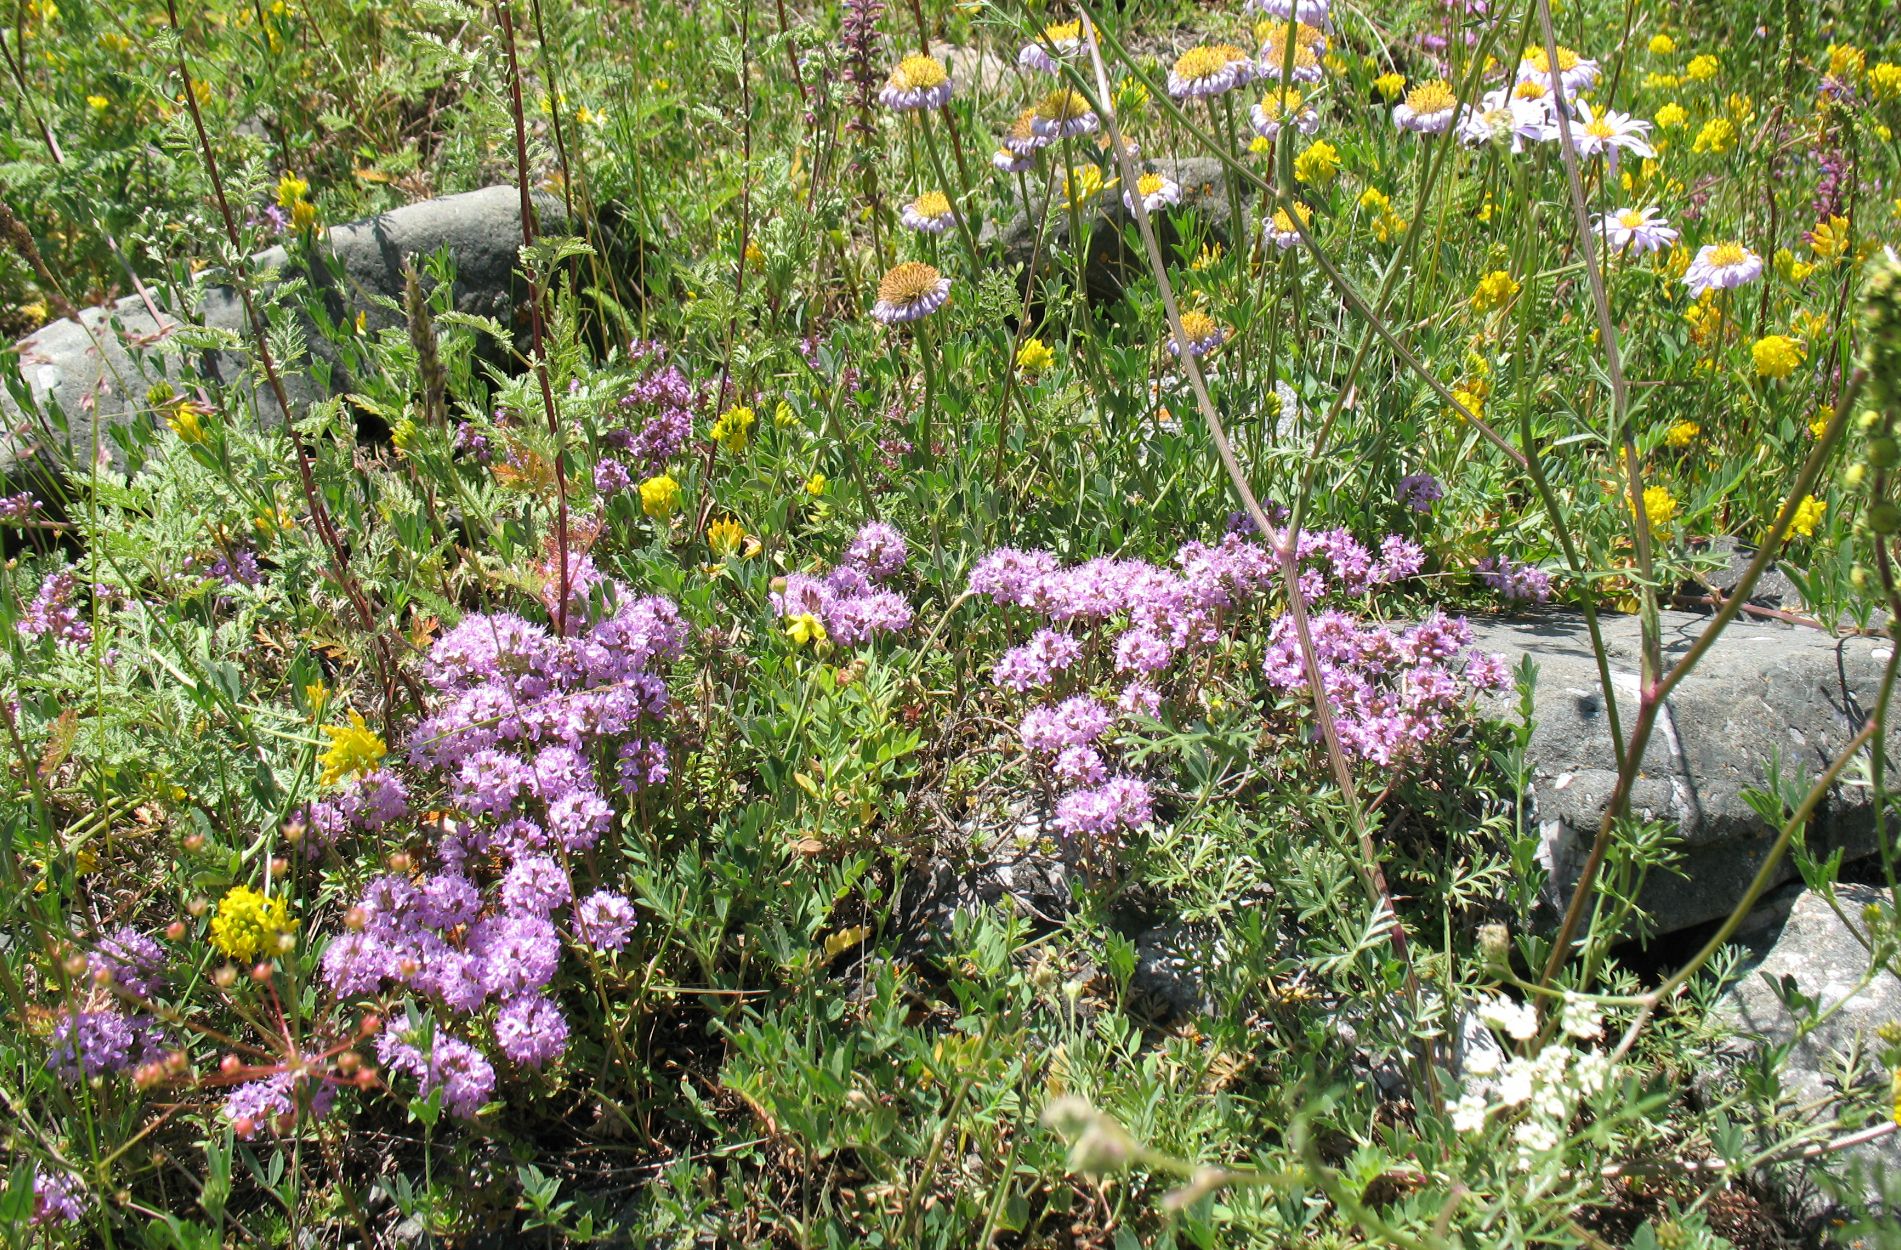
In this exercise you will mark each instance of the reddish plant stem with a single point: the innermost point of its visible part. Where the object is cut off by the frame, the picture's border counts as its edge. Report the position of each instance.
(540, 360)
(319, 515)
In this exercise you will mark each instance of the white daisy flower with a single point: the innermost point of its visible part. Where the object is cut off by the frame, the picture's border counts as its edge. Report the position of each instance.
(1155, 191)
(1635, 230)
(1608, 133)
(1503, 115)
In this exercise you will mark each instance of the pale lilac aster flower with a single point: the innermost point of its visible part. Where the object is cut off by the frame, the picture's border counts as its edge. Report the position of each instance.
(1209, 70)
(1315, 13)
(1272, 111)
(1575, 73)
(929, 213)
(919, 82)
(1063, 39)
(1428, 109)
(909, 291)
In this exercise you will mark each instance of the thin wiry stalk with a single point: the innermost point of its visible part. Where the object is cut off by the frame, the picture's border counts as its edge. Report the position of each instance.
(320, 518)
(531, 270)
(1653, 696)
(1613, 360)
(1373, 875)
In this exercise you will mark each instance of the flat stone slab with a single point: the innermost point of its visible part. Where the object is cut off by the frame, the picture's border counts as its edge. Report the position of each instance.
(87, 378)
(1826, 960)
(1763, 691)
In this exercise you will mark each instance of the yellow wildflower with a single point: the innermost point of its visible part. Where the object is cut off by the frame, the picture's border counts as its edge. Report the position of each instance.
(1808, 515)
(1662, 44)
(1703, 68)
(1885, 80)
(291, 189)
(1846, 61)
(354, 749)
(1776, 355)
(815, 485)
(723, 535)
(804, 629)
(660, 496)
(1318, 164)
(1682, 434)
(1808, 325)
(1654, 81)
(733, 430)
(1672, 115)
(186, 421)
(1788, 268)
(1829, 239)
(1084, 183)
(1659, 507)
(249, 925)
(98, 103)
(316, 694)
(784, 416)
(1390, 85)
(1209, 256)
(1495, 290)
(1035, 356)
(1718, 135)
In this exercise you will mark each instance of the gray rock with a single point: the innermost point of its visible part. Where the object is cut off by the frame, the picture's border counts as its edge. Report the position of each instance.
(87, 379)
(1800, 939)
(983, 77)
(1765, 690)
(1112, 262)
(1772, 589)
(1172, 965)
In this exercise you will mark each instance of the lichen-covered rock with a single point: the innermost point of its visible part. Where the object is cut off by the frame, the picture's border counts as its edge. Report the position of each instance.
(86, 380)
(1764, 692)
(1814, 952)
